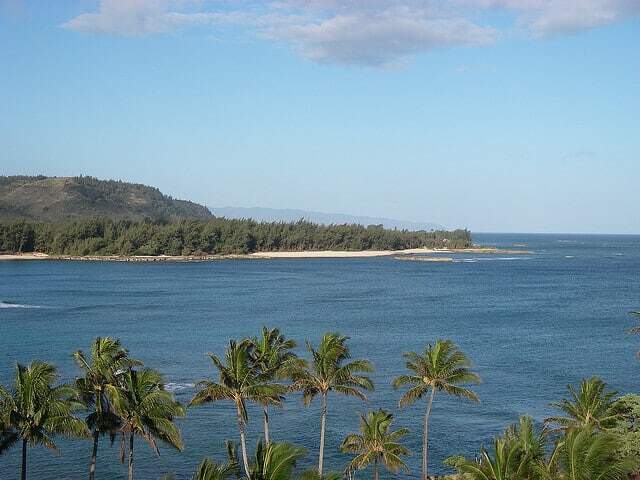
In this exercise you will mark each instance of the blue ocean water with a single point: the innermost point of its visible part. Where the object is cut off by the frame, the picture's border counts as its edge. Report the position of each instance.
(531, 324)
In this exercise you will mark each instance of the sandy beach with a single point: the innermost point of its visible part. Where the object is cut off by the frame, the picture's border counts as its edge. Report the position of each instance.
(260, 255)
(382, 253)
(24, 256)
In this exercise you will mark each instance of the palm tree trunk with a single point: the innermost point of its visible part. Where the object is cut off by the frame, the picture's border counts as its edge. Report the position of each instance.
(94, 455)
(376, 474)
(323, 421)
(266, 424)
(131, 456)
(23, 472)
(425, 445)
(243, 443)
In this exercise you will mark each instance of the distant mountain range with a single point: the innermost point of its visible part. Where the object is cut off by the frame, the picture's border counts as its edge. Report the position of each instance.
(55, 199)
(292, 215)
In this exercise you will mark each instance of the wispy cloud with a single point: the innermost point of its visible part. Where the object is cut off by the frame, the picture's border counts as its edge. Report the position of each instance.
(551, 17)
(360, 32)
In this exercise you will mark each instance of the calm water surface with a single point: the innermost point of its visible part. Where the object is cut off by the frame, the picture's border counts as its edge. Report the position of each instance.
(531, 323)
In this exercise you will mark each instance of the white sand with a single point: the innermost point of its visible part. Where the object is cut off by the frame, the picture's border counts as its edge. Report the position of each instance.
(380, 253)
(24, 256)
(341, 253)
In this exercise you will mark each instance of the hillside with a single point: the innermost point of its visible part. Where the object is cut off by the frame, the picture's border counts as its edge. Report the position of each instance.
(56, 199)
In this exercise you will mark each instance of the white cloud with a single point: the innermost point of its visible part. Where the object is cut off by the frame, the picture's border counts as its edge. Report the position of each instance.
(131, 17)
(362, 32)
(379, 39)
(551, 17)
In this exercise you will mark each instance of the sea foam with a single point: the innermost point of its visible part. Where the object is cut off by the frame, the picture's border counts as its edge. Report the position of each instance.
(16, 305)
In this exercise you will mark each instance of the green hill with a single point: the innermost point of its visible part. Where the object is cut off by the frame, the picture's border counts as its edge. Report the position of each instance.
(58, 199)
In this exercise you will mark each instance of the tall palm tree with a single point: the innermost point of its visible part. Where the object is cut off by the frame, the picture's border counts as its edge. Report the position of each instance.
(592, 404)
(146, 410)
(272, 355)
(37, 410)
(376, 444)
(331, 371)
(104, 367)
(239, 381)
(586, 453)
(441, 368)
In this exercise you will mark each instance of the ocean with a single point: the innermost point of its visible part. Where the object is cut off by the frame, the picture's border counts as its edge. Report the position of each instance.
(531, 324)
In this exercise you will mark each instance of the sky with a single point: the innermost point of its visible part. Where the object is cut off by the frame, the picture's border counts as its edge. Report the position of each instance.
(495, 115)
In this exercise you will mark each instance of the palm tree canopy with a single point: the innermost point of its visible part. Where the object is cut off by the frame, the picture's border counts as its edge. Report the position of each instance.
(8, 433)
(36, 410)
(585, 453)
(105, 365)
(592, 404)
(210, 470)
(442, 367)
(146, 409)
(275, 461)
(272, 353)
(239, 380)
(331, 370)
(514, 456)
(376, 442)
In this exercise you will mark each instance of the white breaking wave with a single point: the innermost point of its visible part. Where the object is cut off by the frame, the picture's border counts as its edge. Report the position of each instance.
(17, 305)
(174, 387)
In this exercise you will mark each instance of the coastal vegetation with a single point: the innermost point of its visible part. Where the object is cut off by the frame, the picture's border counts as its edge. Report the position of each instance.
(594, 435)
(102, 236)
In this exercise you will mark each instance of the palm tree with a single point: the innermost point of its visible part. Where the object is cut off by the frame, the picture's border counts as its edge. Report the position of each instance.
(275, 461)
(209, 470)
(376, 443)
(239, 381)
(106, 364)
(586, 453)
(442, 368)
(37, 410)
(272, 355)
(146, 410)
(8, 434)
(515, 456)
(506, 462)
(591, 405)
(330, 371)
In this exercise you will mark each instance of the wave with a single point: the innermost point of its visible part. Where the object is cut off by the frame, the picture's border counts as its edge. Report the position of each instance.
(4, 304)
(176, 387)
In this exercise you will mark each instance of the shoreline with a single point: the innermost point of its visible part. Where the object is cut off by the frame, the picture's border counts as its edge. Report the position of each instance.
(308, 254)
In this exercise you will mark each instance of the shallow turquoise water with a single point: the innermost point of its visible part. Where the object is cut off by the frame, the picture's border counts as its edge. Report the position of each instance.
(531, 323)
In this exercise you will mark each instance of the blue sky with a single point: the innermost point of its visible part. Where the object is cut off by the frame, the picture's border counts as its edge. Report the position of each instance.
(496, 115)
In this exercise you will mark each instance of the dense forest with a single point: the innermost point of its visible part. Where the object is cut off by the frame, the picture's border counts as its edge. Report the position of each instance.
(100, 236)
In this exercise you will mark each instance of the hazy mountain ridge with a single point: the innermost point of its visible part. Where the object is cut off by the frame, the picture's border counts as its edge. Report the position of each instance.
(292, 215)
(55, 199)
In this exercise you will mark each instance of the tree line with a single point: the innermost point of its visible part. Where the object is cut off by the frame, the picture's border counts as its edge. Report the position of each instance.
(101, 236)
(594, 436)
